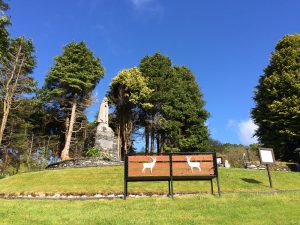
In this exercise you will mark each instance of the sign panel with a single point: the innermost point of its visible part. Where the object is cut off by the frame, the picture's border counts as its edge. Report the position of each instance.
(266, 155)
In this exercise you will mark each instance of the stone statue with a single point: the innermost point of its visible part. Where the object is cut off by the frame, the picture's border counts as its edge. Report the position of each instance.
(105, 138)
(103, 112)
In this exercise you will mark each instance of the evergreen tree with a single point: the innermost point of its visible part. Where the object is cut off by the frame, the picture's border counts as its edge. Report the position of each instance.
(177, 118)
(128, 91)
(4, 22)
(277, 97)
(158, 71)
(16, 65)
(189, 106)
(69, 84)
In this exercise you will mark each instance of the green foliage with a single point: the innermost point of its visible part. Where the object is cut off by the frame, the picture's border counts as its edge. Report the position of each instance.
(17, 64)
(18, 136)
(189, 107)
(92, 152)
(131, 86)
(178, 115)
(75, 73)
(128, 91)
(69, 85)
(4, 22)
(277, 97)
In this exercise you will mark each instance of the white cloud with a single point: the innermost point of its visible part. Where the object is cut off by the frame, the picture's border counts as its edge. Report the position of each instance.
(245, 130)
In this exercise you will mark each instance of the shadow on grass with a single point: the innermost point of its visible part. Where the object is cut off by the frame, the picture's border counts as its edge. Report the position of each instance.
(252, 181)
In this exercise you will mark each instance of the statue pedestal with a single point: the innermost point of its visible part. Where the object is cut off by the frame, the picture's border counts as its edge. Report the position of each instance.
(105, 141)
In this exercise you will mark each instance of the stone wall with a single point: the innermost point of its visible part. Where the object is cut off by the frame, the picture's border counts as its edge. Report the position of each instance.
(85, 162)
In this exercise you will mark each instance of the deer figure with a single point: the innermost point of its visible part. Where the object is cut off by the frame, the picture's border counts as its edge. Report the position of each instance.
(193, 164)
(149, 165)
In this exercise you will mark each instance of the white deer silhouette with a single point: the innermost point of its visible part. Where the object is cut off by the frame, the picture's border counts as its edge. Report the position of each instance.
(149, 165)
(193, 164)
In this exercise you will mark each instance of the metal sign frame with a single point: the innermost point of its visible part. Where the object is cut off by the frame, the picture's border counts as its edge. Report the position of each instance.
(266, 155)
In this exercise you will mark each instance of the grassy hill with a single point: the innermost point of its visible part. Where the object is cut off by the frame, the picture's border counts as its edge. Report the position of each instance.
(107, 180)
(237, 205)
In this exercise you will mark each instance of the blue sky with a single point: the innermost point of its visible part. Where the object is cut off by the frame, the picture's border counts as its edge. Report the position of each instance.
(226, 44)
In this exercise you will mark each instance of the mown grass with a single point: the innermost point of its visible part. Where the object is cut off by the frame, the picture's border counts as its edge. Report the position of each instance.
(281, 208)
(107, 180)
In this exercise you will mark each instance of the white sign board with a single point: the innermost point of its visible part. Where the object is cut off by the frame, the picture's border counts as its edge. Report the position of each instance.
(266, 155)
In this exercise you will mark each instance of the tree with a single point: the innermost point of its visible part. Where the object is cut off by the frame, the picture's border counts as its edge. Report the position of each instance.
(16, 65)
(189, 108)
(277, 97)
(158, 71)
(69, 84)
(128, 91)
(4, 22)
(177, 119)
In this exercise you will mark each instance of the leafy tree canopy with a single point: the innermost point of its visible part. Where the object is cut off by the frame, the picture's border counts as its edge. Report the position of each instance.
(277, 97)
(75, 72)
(4, 22)
(69, 84)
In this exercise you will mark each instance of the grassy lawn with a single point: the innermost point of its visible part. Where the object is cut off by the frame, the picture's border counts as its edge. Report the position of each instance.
(281, 208)
(106, 180)
(234, 207)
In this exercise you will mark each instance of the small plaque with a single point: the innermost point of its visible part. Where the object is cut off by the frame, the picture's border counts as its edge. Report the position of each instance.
(266, 155)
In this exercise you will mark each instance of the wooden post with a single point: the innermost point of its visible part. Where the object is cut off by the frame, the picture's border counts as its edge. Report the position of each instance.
(269, 175)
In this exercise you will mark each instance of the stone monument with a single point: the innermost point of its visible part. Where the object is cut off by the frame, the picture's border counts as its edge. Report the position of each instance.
(105, 137)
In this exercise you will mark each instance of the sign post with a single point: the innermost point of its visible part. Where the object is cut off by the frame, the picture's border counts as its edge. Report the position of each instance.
(267, 157)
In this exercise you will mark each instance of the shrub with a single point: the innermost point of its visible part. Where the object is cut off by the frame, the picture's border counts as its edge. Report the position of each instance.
(92, 152)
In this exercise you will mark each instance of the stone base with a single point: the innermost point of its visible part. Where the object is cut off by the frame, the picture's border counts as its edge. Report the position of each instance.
(86, 162)
(105, 141)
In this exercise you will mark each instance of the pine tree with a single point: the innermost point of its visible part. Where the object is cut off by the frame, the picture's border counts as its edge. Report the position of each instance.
(4, 22)
(69, 84)
(158, 71)
(15, 80)
(277, 97)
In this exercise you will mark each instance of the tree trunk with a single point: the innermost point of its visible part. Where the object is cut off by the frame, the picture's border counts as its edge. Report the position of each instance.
(5, 159)
(152, 141)
(29, 153)
(67, 124)
(158, 143)
(10, 88)
(6, 109)
(65, 151)
(118, 143)
(146, 140)
(162, 142)
(123, 142)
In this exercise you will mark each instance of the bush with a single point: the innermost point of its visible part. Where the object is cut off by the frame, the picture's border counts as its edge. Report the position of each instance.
(92, 152)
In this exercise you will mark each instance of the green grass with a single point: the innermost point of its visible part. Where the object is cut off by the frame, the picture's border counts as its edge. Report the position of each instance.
(281, 208)
(234, 207)
(106, 180)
